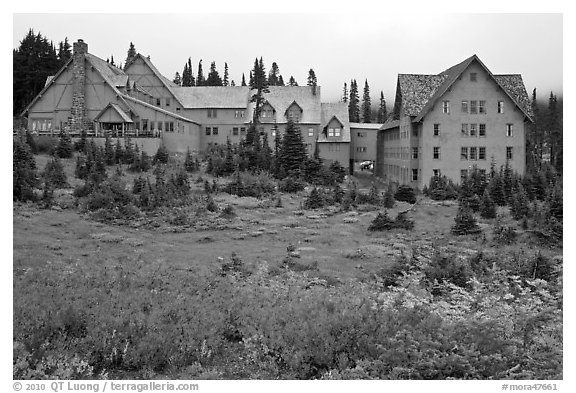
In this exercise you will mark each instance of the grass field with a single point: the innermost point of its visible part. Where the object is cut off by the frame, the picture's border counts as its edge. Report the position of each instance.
(63, 243)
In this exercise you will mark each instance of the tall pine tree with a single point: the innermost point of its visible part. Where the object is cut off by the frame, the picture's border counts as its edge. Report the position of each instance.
(177, 79)
(354, 103)
(131, 53)
(312, 80)
(293, 152)
(382, 111)
(225, 81)
(259, 83)
(213, 78)
(200, 80)
(366, 105)
(273, 75)
(345, 93)
(292, 82)
(243, 80)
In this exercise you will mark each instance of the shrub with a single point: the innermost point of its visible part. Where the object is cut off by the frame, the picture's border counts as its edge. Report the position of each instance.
(403, 222)
(211, 206)
(315, 199)
(228, 212)
(64, 149)
(441, 188)
(161, 155)
(487, 206)
(405, 194)
(245, 184)
(291, 184)
(504, 234)
(465, 223)
(382, 222)
(46, 145)
(54, 174)
(447, 267)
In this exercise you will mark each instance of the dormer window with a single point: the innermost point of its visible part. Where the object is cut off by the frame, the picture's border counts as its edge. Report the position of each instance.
(294, 115)
(473, 77)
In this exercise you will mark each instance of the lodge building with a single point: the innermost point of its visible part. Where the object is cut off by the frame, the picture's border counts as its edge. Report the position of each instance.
(443, 124)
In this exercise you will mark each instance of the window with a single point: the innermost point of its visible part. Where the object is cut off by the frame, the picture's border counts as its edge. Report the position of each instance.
(208, 131)
(361, 149)
(436, 152)
(336, 131)
(482, 107)
(159, 126)
(500, 106)
(238, 114)
(177, 109)
(436, 129)
(473, 77)
(415, 132)
(266, 113)
(414, 174)
(330, 131)
(157, 101)
(464, 153)
(473, 107)
(214, 130)
(294, 115)
(473, 153)
(446, 107)
(509, 129)
(436, 172)
(473, 129)
(144, 124)
(509, 151)
(464, 106)
(361, 134)
(167, 126)
(171, 125)
(310, 131)
(235, 131)
(242, 131)
(463, 174)
(274, 130)
(261, 130)
(464, 131)
(482, 153)
(482, 130)
(168, 101)
(212, 113)
(414, 153)
(152, 125)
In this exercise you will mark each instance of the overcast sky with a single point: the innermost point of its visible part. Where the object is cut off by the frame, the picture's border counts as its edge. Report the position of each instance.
(338, 47)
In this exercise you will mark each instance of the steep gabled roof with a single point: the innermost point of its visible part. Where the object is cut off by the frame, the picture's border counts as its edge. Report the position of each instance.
(46, 86)
(452, 74)
(282, 97)
(113, 75)
(114, 107)
(171, 86)
(338, 111)
(172, 114)
(230, 97)
(417, 90)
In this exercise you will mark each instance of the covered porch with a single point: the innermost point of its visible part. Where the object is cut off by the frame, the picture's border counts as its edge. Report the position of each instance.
(113, 121)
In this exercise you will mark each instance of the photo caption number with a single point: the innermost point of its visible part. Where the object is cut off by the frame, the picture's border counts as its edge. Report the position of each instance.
(35, 386)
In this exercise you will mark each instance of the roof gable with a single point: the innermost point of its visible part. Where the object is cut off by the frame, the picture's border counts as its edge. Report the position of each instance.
(282, 97)
(512, 86)
(338, 111)
(114, 114)
(220, 97)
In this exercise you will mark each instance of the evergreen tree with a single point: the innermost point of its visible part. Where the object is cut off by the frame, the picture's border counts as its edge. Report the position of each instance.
(265, 157)
(314, 200)
(487, 206)
(112, 61)
(465, 223)
(189, 162)
(389, 200)
(353, 103)
(345, 93)
(33, 61)
(31, 142)
(535, 139)
(382, 111)
(292, 82)
(280, 81)
(213, 76)
(382, 222)
(366, 105)
(225, 81)
(200, 80)
(259, 83)
(64, 52)
(131, 53)
(161, 155)
(232, 83)
(64, 149)
(54, 174)
(24, 175)
(185, 76)
(177, 79)
(312, 80)
(293, 152)
(243, 80)
(554, 128)
(519, 206)
(109, 151)
(273, 75)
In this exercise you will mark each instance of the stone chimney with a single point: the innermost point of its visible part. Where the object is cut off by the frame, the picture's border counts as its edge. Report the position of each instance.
(79, 120)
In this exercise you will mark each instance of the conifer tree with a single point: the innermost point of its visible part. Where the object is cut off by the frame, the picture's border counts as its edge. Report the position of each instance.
(273, 75)
(64, 149)
(225, 81)
(292, 82)
(24, 175)
(554, 127)
(131, 53)
(31, 142)
(200, 80)
(54, 174)
(345, 93)
(353, 103)
(312, 80)
(293, 152)
(232, 83)
(265, 158)
(487, 206)
(382, 111)
(177, 79)
(243, 80)
(213, 76)
(366, 105)
(520, 205)
(280, 81)
(465, 223)
(259, 83)
(189, 162)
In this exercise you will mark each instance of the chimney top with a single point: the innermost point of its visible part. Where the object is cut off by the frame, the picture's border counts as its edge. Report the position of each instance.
(80, 47)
